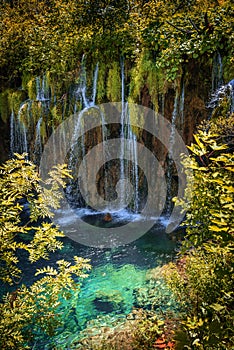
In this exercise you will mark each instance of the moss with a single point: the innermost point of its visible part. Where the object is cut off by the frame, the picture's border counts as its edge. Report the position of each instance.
(43, 131)
(101, 85)
(114, 83)
(31, 89)
(146, 73)
(56, 117)
(155, 83)
(11, 100)
(35, 111)
(5, 109)
(16, 98)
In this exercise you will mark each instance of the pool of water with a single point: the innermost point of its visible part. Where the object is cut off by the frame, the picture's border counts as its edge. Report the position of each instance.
(120, 279)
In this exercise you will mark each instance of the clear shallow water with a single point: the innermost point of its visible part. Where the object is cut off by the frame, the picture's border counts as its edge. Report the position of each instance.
(120, 277)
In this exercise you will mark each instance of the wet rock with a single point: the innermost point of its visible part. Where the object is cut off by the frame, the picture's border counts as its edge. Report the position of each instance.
(107, 217)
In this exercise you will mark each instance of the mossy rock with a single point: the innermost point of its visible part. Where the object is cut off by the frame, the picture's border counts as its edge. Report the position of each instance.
(109, 301)
(11, 100)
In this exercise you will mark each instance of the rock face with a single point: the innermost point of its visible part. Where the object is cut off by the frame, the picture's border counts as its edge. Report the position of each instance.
(182, 103)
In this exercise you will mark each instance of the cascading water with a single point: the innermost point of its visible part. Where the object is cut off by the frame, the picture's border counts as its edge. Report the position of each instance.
(132, 167)
(42, 92)
(18, 133)
(122, 137)
(217, 72)
(12, 133)
(81, 90)
(95, 78)
(79, 144)
(136, 177)
(25, 132)
(30, 130)
(170, 155)
(128, 144)
(224, 92)
(80, 147)
(181, 107)
(38, 143)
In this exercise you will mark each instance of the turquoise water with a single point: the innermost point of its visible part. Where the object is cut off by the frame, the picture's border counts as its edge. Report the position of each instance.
(121, 278)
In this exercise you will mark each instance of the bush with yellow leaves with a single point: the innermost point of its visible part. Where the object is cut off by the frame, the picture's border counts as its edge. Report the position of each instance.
(28, 313)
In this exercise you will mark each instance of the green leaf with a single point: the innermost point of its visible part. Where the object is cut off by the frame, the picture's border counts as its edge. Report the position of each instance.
(217, 307)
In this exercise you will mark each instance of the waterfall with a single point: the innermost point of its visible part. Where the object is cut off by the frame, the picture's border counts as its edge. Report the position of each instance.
(23, 130)
(224, 92)
(217, 72)
(122, 137)
(231, 89)
(132, 167)
(12, 134)
(181, 107)
(18, 132)
(128, 157)
(136, 178)
(128, 169)
(129, 145)
(78, 149)
(81, 90)
(42, 92)
(170, 155)
(95, 79)
(38, 143)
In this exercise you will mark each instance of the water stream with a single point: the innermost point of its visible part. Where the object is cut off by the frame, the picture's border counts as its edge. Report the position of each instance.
(170, 153)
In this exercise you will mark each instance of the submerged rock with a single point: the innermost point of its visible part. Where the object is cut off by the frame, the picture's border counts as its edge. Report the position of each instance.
(107, 217)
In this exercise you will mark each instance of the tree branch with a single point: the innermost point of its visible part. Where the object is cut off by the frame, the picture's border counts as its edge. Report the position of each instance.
(180, 29)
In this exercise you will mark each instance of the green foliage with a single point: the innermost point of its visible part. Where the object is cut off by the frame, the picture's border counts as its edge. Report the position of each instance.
(20, 181)
(29, 312)
(41, 36)
(209, 193)
(101, 87)
(183, 31)
(146, 74)
(202, 278)
(114, 83)
(4, 105)
(148, 329)
(203, 285)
